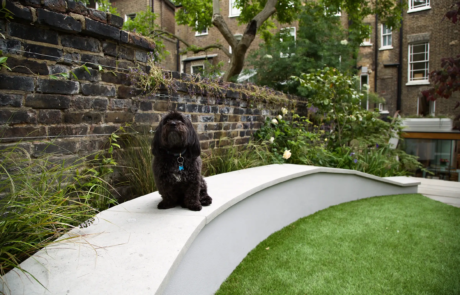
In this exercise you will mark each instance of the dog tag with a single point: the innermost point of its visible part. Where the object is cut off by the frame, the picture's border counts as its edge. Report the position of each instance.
(180, 160)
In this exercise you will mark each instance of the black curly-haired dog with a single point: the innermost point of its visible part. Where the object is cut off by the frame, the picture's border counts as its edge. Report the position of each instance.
(177, 164)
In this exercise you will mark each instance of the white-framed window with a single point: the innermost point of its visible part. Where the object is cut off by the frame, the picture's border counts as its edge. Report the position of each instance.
(198, 69)
(419, 57)
(338, 13)
(386, 37)
(367, 40)
(291, 32)
(418, 5)
(234, 12)
(381, 107)
(202, 33)
(130, 16)
(364, 86)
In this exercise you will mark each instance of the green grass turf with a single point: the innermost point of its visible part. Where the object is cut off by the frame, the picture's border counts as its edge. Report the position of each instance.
(402, 244)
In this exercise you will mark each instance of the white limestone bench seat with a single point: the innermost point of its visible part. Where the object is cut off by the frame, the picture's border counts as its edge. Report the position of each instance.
(134, 248)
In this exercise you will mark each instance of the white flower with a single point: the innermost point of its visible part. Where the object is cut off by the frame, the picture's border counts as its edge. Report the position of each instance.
(344, 42)
(268, 56)
(272, 139)
(287, 154)
(284, 111)
(280, 117)
(274, 121)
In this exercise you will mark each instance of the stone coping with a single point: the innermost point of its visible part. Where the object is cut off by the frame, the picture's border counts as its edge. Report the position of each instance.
(136, 248)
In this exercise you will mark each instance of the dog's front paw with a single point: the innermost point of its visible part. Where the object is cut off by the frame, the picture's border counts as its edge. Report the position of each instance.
(206, 201)
(194, 206)
(166, 205)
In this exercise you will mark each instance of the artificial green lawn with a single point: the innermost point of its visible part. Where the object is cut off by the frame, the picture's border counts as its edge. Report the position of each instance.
(403, 244)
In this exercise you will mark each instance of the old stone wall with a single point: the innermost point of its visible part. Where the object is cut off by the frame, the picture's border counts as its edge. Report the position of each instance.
(49, 97)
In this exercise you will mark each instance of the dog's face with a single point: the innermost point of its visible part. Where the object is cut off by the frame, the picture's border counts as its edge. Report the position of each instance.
(174, 134)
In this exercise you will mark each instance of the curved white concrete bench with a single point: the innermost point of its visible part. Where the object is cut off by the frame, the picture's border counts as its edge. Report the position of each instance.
(134, 248)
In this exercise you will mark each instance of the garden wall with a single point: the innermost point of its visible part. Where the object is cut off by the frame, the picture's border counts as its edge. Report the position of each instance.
(76, 113)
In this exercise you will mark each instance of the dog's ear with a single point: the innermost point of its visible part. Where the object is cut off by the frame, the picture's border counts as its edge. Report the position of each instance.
(156, 142)
(193, 142)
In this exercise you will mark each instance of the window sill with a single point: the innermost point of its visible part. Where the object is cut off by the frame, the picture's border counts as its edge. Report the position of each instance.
(233, 16)
(199, 35)
(419, 9)
(365, 44)
(386, 48)
(415, 83)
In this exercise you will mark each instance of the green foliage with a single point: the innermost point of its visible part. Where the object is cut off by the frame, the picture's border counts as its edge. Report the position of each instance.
(136, 158)
(3, 60)
(5, 13)
(106, 6)
(212, 71)
(44, 198)
(338, 132)
(144, 24)
(320, 41)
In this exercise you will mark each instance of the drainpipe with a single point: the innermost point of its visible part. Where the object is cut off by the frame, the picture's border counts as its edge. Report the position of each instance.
(177, 56)
(399, 86)
(376, 50)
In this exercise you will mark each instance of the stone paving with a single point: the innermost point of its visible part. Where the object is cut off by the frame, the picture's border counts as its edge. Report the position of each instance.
(444, 191)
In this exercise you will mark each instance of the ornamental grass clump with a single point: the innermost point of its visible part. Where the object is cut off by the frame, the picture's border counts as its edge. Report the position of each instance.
(41, 199)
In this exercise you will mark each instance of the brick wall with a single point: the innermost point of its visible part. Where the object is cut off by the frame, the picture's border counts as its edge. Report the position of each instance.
(77, 113)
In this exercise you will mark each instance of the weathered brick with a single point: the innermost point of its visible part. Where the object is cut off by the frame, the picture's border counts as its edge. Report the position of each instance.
(213, 127)
(67, 130)
(33, 3)
(206, 119)
(19, 132)
(70, 58)
(58, 69)
(124, 65)
(141, 42)
(232, 94)
(16, 83)
(109, 48)
(206, 136)
(147, 118)
(57, 147)
(204, 145)
(49, 117)
(128, 92)
(76, 7)
(126, 53)
(19, 12)
(81, 103)
(141, 56)
(94, 61)
(124, 36)
(107, 62)
(145, 106)
(161, 106)
(17, 117)
(114, 20)
(115, 78)
(32, 33)
(42, 101)
(238, 111)
(191, 108)
(56, 5)
(101, 30)
(58, 86)
(58, 21)
(95, 89)
(242, 140)
(82, 74)
(13, 100)
(42, 52)
(98, 15)
(10, 46)
(87, 117)
(82, 43)
(120, 104)
(27, 66)
(119, 117)
(106, 129)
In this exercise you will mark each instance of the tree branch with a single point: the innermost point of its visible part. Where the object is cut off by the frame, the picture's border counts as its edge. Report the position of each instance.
(219, 22)
(191, 48)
